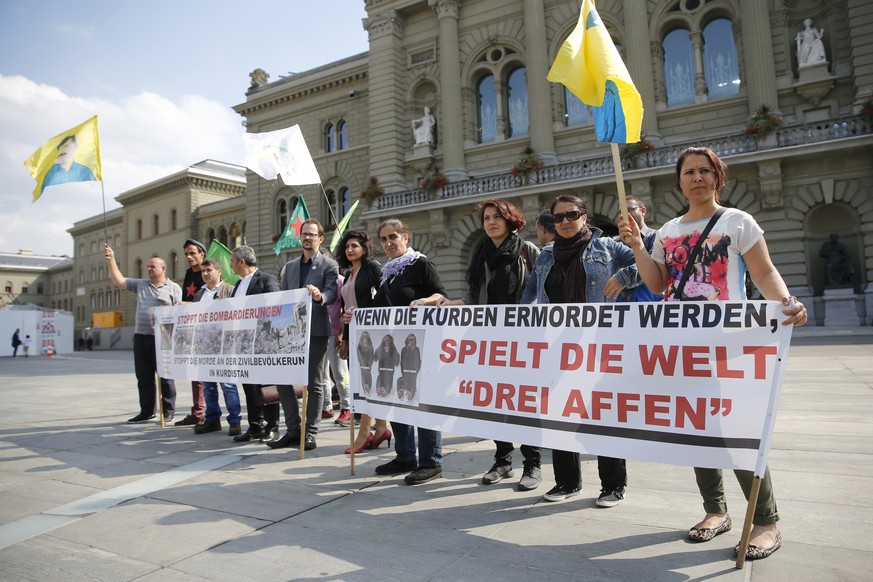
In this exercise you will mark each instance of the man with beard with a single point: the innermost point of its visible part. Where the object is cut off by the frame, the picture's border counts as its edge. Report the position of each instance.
(316, 273)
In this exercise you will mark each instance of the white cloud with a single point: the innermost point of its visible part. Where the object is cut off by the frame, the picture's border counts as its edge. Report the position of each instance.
(143, 137)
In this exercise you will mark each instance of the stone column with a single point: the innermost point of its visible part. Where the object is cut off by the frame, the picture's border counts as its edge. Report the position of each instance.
(387, 111)
(637, 44)
(452, 118)
(760, 81)
(699, 77)
(538, 91)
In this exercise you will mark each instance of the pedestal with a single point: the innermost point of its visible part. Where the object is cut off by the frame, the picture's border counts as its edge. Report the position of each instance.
(840, 309)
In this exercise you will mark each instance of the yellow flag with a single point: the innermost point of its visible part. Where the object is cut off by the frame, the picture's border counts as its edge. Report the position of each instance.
(71, 156)
(589, 65)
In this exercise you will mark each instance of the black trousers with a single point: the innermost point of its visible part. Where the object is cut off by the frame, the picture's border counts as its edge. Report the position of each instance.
(262, 418)
(315, 395)
(568, 471)
(145, 365)
(503, 456)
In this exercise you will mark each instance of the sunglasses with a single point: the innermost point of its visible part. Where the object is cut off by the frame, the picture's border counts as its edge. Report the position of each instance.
(572, 215)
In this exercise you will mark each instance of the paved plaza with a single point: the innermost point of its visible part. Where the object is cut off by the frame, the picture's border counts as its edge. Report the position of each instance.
(85, 496)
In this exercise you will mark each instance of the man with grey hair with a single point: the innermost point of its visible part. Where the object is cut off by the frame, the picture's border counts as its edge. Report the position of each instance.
(156, 291)
(263, 420)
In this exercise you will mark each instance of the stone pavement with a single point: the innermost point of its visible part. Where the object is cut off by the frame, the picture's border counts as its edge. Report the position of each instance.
(84, 496)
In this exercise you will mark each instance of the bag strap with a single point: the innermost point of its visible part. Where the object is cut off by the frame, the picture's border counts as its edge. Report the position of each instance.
(692, 257)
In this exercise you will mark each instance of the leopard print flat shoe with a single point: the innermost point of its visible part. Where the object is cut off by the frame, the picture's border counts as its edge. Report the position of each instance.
(704, 534)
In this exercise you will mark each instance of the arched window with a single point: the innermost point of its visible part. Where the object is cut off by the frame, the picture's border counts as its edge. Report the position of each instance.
(81, 276)
(679, 68)
(329, 222)
(39, 288)
(281, 215)
(720, 59)
(173, 220)
(138, 229)
(93, 273)
(174, 264)
(156, 224)
(329, 138)
(81, 249)
(222, 235)
(575, 112)
(137, 268)
(342, 136)
(100, 273)
(516, 98)
(486, 108)
(345, 198)
(235, 236)
(210, 236)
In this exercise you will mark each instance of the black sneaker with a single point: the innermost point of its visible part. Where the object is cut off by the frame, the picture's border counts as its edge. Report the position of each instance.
(560, 493)
(205, 427)
(141, 418)
(531, 478)
(610, 497)
(420, 476)
(497, 473)
(396, 466)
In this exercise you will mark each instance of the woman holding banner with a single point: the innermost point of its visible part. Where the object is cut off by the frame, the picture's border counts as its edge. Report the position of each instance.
(582, 266)
(734, 242)
(362, 278)
(409, 279)
(497, 273)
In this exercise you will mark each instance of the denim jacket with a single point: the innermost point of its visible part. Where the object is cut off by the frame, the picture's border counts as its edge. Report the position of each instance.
(602, 258)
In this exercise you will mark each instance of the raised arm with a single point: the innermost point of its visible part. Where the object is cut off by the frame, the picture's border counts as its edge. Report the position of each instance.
(114, 272)
(653, 274)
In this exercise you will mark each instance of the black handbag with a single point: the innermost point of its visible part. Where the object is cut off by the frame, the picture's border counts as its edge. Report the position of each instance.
(692, 256)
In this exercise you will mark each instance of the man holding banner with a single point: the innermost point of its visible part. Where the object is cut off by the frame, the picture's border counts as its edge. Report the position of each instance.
(317, 273)
(263, 419)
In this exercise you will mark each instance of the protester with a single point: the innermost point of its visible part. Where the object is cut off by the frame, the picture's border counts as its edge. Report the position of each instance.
(338, 375)
(156, 291)
(545, 228)
(195, 252)
(317, 273)
(497, 274)
(263, 418)
(579, 267)
(637, 210)
(409, 279)
(362, 280)
(701, 177)
(214, 288)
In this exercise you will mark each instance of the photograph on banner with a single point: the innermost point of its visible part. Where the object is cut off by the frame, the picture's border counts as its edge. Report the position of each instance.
(689, 383)
(259, 339)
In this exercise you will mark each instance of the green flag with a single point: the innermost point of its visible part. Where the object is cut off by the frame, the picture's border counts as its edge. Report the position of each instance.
(341, 227)
(222, 254)
(291, 236)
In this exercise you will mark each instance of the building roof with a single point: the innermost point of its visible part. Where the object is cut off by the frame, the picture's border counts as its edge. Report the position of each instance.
(25, 260)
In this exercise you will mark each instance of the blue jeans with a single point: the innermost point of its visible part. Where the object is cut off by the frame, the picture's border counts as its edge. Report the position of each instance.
(430, 445)
(231, 400)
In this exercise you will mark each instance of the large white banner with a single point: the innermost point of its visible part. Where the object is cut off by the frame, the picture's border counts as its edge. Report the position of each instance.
(259, 339)
(688, 383)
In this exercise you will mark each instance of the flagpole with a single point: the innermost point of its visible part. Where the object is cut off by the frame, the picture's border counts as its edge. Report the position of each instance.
(103, 196)
(329, 205)
(619, 180)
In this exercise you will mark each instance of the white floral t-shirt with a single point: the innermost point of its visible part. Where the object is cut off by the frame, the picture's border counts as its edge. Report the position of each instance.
(719, 271)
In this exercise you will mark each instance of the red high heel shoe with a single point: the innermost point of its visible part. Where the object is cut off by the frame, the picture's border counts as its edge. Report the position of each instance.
(367, 445)
(385, 436)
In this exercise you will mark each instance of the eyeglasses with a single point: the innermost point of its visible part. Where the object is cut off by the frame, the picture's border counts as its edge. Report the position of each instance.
(571, 216)
(633, 207)
(309, 234)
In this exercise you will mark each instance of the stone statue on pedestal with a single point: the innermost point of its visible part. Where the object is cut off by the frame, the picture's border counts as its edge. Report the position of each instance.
(810, 48)
(836, 255)
(422, 128)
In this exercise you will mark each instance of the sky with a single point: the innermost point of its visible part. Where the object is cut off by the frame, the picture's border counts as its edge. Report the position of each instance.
(162, 77)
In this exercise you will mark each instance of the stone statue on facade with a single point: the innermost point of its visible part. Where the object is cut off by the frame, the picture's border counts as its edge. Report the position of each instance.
(810, 48)
(422, 128)
(259, 77)
(836, 255)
